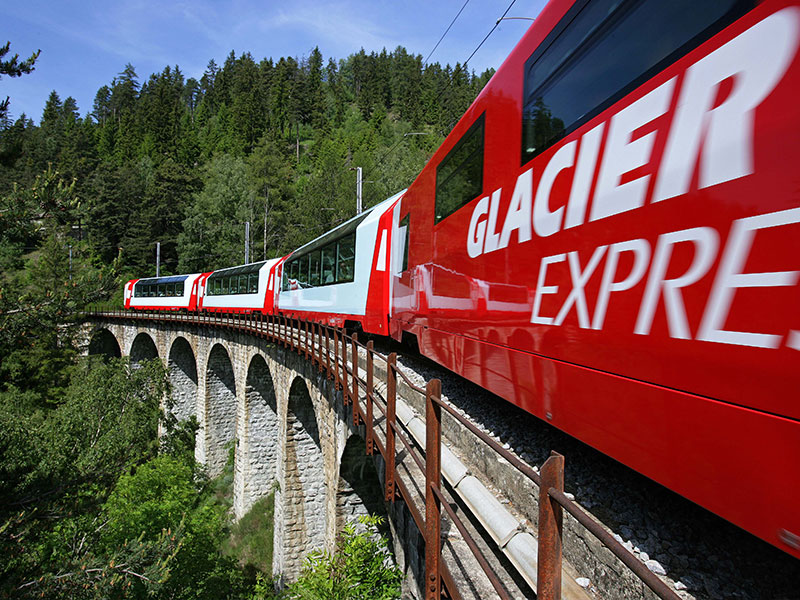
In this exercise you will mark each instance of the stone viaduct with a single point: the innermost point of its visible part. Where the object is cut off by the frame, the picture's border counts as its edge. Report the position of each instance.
(276, 418)
(274, 413)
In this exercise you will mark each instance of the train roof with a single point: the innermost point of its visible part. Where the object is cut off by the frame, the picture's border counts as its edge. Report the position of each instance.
(348, 226)
(169, 279)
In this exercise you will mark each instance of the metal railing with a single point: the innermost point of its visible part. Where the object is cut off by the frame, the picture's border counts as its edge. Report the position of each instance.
(337, 355)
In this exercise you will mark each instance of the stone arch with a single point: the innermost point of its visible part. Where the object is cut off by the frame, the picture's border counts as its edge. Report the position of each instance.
(143, 348)
(182, 368)
(220, 409)
(359, 491)
(260, 437)
(305, 492)
(105, 344)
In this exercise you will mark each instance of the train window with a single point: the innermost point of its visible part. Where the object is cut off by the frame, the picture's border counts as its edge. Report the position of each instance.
(346, 259)
(459, 177)
(329, 264)
(252, 285)
(161, 290)
(301, 271)
(404, 239)
(602, 50)
(293, 270)
(314, 267)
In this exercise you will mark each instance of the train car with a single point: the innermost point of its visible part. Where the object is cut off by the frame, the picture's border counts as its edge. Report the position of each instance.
(343, 277)
(242, 289)
(609, 238)
(176, 292)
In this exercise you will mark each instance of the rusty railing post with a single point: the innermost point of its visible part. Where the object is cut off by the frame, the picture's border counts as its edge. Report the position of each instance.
(327, 352)
(305, 342)
(354, 377)
(550, 524)
(370, 358)
(337, 375)
(312, 347)
(433, 479)
(345, 387)
(318, 342)
(391, 399)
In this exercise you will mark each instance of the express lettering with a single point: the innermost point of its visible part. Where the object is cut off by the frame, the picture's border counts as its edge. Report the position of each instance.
(658, 287)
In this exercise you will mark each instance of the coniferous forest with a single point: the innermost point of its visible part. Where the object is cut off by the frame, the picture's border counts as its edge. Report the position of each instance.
(92, 503)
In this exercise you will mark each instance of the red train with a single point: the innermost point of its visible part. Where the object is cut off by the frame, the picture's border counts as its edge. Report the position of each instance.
(608, 238)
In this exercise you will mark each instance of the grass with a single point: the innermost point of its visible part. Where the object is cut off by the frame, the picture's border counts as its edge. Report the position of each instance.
(250, 540)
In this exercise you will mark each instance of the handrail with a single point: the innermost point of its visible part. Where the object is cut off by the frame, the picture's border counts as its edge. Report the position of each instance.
(326, 346)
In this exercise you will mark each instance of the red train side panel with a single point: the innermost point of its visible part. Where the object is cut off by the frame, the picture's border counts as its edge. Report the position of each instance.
(635, 281)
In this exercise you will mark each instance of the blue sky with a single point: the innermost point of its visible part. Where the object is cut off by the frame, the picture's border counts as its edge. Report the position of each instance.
(86, 43)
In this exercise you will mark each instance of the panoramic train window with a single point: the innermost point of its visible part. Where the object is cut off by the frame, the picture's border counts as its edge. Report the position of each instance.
(166, 287)
(332, 263)
(238, 280)
(346, 259)
(313, 267)
(603, 49)
(459, 177)
(328, 264)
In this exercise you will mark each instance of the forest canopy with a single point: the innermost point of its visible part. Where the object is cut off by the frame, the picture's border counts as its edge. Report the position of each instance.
(187, 162)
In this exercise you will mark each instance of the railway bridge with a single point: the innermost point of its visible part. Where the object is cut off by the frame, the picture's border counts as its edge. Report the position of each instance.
(302, 408)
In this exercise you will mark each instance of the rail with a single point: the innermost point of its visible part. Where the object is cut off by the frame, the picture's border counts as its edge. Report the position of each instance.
(327, 348)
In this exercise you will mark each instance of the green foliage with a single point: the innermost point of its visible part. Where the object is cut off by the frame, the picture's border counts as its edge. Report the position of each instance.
(40, 290)
(251, 538)
(361, 569)
(212, 234)
(60, 462)
(154, 498)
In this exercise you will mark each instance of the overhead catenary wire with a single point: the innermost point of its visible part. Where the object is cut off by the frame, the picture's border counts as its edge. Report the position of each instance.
(425, 62)
(490, 32)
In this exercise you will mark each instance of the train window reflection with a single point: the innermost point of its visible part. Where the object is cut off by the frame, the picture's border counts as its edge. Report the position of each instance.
(314, 268)
(346, 259)
(329, 264)
(459, 177)
(604, 49)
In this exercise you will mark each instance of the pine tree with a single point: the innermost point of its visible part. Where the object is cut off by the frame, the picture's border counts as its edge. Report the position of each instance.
(13, 67)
